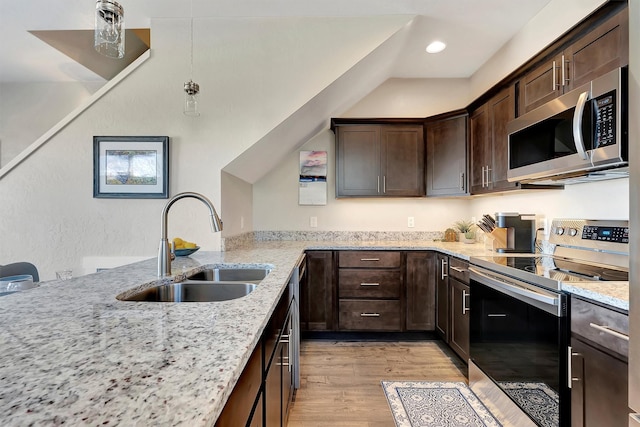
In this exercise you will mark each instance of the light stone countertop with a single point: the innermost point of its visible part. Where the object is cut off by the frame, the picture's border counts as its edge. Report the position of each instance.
(73, 354)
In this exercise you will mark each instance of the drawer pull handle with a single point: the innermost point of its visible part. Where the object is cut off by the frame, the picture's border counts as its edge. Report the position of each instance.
(610, 331)
(458, 269)
(369, 314)
(369, 284)
(369, 259)
(496, 315)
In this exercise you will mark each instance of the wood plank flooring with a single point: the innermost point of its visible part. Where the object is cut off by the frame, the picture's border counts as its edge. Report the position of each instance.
(340, 381)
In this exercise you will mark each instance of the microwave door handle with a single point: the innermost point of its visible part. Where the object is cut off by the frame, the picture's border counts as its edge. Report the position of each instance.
(577, 125)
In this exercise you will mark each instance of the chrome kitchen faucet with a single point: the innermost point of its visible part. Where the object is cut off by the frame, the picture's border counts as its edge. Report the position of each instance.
(164, 253)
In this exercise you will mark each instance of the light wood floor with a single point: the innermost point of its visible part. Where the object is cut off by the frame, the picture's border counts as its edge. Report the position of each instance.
(340, 381)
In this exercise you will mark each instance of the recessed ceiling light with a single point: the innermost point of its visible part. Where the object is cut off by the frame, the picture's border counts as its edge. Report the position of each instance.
(436, 46)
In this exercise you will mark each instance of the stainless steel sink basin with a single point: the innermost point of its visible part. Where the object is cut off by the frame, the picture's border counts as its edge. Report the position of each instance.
(252, 275)
(194, 291)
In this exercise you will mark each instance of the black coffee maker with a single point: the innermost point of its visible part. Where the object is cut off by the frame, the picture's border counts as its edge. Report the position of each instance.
(520, 231)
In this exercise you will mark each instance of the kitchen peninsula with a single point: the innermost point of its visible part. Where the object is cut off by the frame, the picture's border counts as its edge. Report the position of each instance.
(74, 354)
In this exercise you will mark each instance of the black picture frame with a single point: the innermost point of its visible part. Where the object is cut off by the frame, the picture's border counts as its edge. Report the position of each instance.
(131, 167)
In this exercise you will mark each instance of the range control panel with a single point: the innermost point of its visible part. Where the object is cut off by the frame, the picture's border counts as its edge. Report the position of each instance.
(606, 234)
(609, 235)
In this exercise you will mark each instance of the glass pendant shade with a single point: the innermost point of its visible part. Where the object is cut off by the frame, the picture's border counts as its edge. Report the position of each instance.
(109, 30)
(191, 90)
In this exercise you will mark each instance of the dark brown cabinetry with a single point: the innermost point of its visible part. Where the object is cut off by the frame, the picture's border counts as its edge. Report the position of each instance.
(447, 154)
(379, 159)
(459, 307)
(442, 296)
(599, 365)
(317, 293)
(489, 143)
(369, 290)
(245, 403)
(421, 291)
(452, 312)
(601, 50)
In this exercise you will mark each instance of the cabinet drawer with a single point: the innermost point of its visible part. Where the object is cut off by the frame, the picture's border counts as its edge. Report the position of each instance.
(369, 315)
(459, 269)
(372, 259)
(369, 283)
(587, 320)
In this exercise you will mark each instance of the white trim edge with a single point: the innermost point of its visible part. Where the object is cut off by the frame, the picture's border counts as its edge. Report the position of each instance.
(75, 113)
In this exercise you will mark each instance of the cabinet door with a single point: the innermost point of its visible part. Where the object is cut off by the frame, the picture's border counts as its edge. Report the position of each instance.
(502, 109)
(273, 391)
(421, 291)
(459, 336)
(442, 296)
(239, 407)
(402, 161)
(480, 149)
(358, 161)
(317, 296)
(447, 156)
(600, 51)
(599, 393)
(542, 84)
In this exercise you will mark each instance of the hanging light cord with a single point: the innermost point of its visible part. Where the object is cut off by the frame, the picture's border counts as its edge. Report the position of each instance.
(191, 39)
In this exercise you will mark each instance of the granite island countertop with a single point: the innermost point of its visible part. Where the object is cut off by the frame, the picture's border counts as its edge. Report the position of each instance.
(73, 354)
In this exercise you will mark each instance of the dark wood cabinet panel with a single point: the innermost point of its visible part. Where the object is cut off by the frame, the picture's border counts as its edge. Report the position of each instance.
(369, 283)
(541, 85)
(480, 143)
(379, 159)
(599, 51)
(402, 160)
(446, 167)
(442, 296)
(238, 408)
(369, 259)
(459, 331)
(370, 315)
(421, 291)
(317, 296)
(489, 143)
(502, 109)
(599, 393)
(358, 160)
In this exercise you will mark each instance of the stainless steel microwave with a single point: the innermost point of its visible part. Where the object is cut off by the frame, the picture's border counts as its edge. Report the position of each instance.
(579, 136)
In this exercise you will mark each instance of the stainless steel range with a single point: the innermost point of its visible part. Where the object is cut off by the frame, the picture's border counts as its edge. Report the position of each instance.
(520, 318)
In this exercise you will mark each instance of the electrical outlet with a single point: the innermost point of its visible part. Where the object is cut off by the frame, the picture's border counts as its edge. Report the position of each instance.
(241, 223)
(313, 221)
(474, 219)
(411, 222)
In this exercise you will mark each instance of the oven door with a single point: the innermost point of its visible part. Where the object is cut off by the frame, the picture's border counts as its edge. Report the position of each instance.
(519, 339)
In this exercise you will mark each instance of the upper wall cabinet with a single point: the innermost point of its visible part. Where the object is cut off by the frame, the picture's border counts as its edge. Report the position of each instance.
(447, 166)
(601, 50)
(489, 144)
(377, 158)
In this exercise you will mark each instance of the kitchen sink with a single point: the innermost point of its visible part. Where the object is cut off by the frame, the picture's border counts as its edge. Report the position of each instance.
(194, 291)
(251, 275)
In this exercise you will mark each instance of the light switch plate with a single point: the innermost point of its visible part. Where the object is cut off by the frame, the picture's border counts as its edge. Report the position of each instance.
(313, 221)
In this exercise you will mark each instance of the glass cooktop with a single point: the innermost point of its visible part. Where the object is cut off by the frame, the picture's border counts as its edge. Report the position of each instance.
(550, 271)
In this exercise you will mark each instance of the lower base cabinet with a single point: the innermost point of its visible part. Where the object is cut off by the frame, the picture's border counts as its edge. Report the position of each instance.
(264, 392)
(599, 366)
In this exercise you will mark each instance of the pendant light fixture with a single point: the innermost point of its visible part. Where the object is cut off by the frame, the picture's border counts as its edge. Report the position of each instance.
(191, 88)
(108, 37)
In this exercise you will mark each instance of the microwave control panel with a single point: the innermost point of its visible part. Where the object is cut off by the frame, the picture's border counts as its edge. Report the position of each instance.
(604, 111)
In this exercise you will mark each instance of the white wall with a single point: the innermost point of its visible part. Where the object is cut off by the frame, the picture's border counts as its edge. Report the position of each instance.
(237, 202)
(28, 110)
(275, 203)
(253, 73)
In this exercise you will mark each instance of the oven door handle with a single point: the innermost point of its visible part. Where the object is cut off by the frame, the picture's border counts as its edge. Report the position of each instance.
(499, 285)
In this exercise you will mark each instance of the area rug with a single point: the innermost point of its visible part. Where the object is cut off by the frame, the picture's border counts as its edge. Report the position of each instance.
(436, 404)
(539, 400)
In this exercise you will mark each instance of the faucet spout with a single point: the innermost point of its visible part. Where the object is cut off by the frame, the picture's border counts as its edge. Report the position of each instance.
(164, 252)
